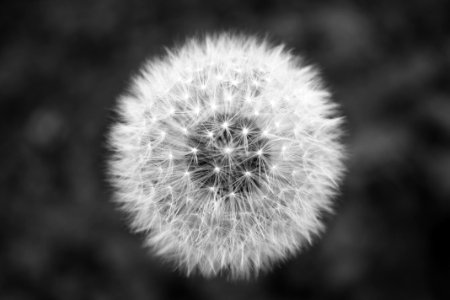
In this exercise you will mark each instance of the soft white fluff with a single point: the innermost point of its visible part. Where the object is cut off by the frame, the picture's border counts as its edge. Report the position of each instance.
(204, 226)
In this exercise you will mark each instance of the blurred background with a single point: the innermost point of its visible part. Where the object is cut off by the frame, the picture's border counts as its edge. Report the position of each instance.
(63, 64)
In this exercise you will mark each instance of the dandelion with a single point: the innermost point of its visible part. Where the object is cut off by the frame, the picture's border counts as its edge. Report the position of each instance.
(226, 155)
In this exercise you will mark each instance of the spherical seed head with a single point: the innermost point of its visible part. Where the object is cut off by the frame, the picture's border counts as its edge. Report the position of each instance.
(226, 155)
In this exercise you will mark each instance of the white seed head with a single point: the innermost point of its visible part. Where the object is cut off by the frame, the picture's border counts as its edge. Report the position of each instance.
(245, 182)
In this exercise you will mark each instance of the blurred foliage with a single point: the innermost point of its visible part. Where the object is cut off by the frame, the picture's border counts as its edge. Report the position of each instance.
(63, 64)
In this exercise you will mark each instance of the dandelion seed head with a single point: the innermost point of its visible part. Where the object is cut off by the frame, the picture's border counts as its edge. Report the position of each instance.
(226, 155)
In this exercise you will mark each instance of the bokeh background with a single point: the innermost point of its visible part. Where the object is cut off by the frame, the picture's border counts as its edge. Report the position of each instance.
(63, 64)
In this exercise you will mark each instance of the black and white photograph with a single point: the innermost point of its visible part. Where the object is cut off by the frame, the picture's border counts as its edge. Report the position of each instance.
(225, 149)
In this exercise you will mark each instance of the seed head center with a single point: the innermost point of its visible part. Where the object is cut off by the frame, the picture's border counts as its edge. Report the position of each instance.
(229, 156)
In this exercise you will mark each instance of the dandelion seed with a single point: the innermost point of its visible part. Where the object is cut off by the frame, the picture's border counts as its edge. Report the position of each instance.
(225, 125)
(227, 150)
(226, 193)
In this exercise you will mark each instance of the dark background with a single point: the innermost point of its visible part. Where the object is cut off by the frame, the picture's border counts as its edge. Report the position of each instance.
(63, 64)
